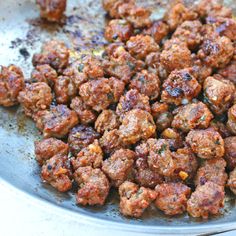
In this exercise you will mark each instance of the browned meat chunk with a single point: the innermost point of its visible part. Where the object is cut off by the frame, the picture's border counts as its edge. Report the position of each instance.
(47, 148)
(52, 10)
(64, 89)
(118, 167)
(100, 93)
(189, 32)
(229, 72)
(230, 152)
(85, 113)
(56, 122)
(176, 56)
(212, 8)
(199, 69)
(153, 64)
(132, 100)
(90, 155)
(177, 14)
(231, 124)
(143, 175)
(232, 181)
(55, 53)
(118, 30)
(207, 200)
(221, 128)
(81, 136)
(94, 186)
(134, 200)
(121, 64)
(191, 116)
(11, 83)
(216, 51)
(57, 172)
(44, 73)
(206, 143)
(158, 30)
(172, 198)
(212, 170)
(137, 16)
(111, 141)
(222, 26)
(136, 125)
(180, 87)
(140, 46)
(35, 97)
(218, 94)
(181, 164)
(161, 115)
(106, 121)
(146, 83)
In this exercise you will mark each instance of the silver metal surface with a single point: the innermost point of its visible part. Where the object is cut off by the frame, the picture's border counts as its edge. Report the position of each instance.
(22, 34)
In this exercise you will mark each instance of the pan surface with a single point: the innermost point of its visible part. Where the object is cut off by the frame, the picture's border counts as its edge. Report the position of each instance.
(22, 34)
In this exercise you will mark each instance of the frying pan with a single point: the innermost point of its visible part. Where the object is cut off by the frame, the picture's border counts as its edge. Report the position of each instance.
(22, 34)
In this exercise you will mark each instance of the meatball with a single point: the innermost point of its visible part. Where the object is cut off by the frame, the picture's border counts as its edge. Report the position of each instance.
(140, 46)
(121, 64)
(158, 108)
(190, 33)
(212, 170)
(218, 94)
(111, 141)
(222, 26)
(158, 30)
(99, 94)
(191, 116)
(118, 30)
(47, 148)
(231, 124)
(56, 171)
(216, 51)
(106, 121)
(132, 100)
(176, 56)
(91, 66)
(11, 83)
(35, 97)
(136, 125)
(229, 72)
(232, 181)
(118, 167)
(55, 53)
(143, 175)
(64, 89)
(44, 73)
(172, 198)
(180, 87)
(177, 14)
(94, 186)
(90, 155)
(81, 136)
(221, 128)
(146, 83)
(134, 200)
(52, 10)
(153, 64)
(230, 152)
(207, 200)
(212, 8)
(56, 122)
(206, 143)
(137, 16)
(85, 113)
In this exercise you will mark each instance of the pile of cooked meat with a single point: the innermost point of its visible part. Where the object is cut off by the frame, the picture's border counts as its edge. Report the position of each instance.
(154, 116)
